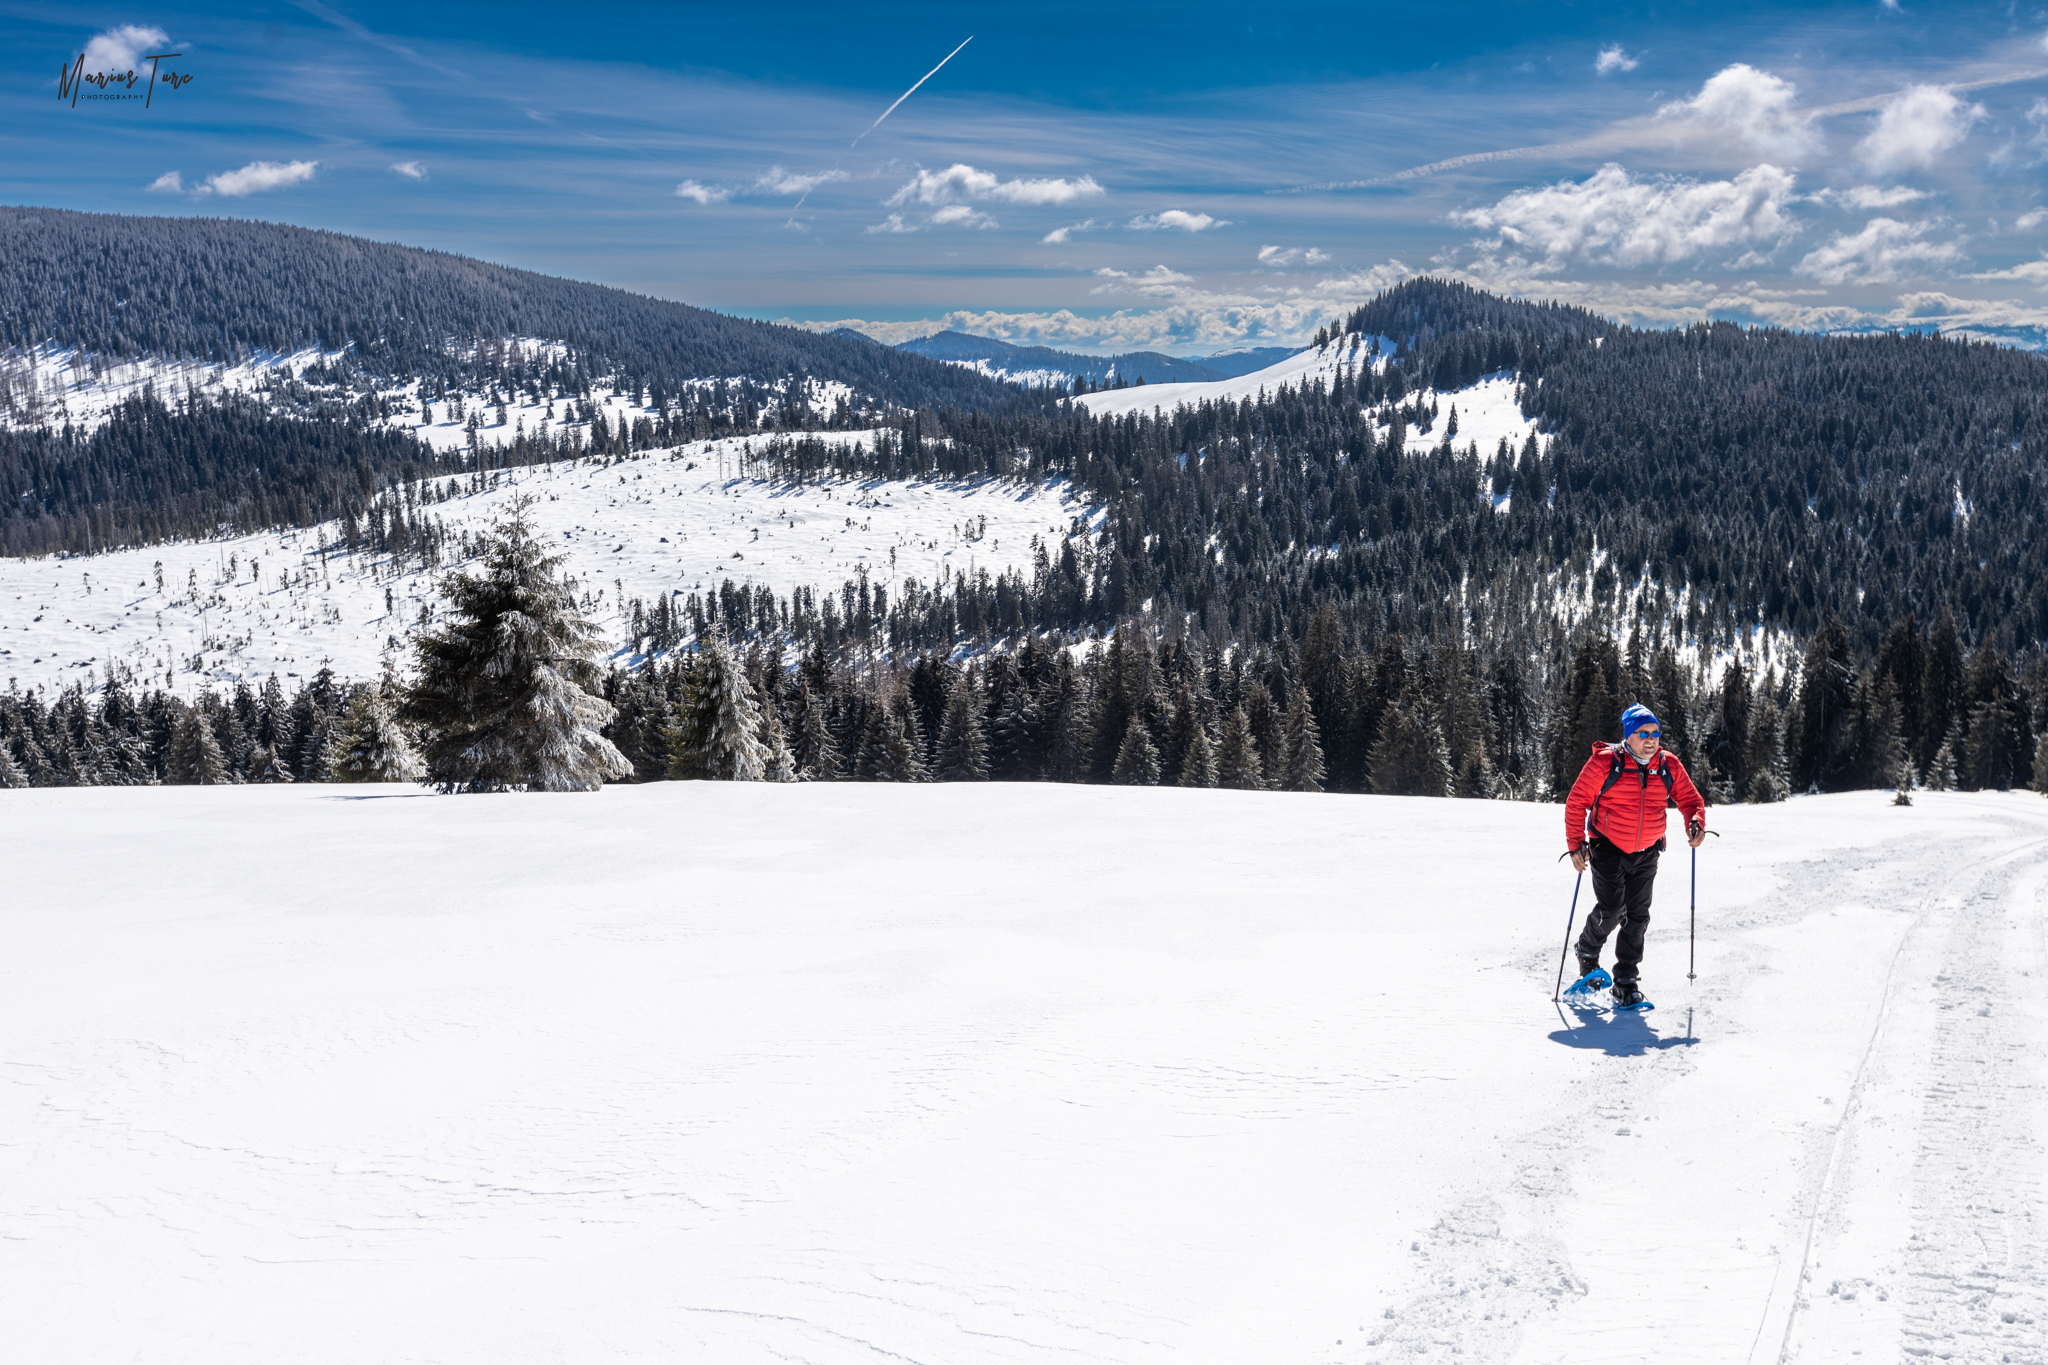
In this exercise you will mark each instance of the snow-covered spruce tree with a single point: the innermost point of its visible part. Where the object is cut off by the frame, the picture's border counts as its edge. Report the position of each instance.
(195, 758)
(12, 778)
(717, 734)
(963, 754)
(780, 763)
(503, 686)
(1770, 772)
(817, 752)
(1902, 779)
(1301, 748)
(2040, 762)
(1137, 759)
(1941, 773)
(370, 745)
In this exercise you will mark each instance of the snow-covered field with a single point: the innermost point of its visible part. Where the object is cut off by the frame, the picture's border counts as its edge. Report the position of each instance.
(991, 1074)
(681, 521)
(1487, 410)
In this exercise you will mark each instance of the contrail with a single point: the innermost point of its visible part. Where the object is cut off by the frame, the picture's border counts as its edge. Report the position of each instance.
(908, 93)
(886, 112)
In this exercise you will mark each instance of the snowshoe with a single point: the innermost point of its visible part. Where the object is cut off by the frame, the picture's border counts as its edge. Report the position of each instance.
(1627, 996)
(1595, 979)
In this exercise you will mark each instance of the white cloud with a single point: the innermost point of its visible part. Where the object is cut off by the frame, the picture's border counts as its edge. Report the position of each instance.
(2030, 220)
(961, 183)
(702, 194)
(1867, 197)
(258, 176)
(893, 223)
(1614, 59)
(1754, 106)
(1159, 282)
(411, 170)
(1179, 219)
(1279, 258)
(1615, 218)
(2033, 272)
(1189, 317)
(779, 181)
(1884, 250)
(170, 182)
(1916, 128)
(959, 215)
(122, 48)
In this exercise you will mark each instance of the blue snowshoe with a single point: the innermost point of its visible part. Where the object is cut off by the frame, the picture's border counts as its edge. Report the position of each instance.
(1594, 978)
(1627, 996)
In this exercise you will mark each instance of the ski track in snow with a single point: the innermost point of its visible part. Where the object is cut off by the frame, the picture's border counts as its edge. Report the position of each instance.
(711, 1072)
(666, 521)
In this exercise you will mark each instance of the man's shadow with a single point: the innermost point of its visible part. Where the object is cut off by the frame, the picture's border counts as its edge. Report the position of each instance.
(1621, 1033)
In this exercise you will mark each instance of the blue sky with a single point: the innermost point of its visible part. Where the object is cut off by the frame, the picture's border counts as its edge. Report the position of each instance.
(1184, 177)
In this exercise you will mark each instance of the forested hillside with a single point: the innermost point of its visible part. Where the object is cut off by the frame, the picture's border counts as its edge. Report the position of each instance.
(220, 289)
(1817, 556)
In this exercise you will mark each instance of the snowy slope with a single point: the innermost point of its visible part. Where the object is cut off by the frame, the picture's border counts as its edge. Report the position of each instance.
(51, 387)
(1487, 411)
(696, 1072)
(668, 521)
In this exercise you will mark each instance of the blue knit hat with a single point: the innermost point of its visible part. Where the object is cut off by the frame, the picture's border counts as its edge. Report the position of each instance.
(1635, 718)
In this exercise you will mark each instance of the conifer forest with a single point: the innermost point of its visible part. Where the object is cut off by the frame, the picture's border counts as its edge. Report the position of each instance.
(1819, 559)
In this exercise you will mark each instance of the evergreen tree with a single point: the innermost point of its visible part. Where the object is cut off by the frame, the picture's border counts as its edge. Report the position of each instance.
(1137, 761)
(717, 734)
(887, 753)
(1198, 769)
(1069, 722)
(1941, 769)
(12, 778)
(2040, 761)
(779, 763)
(370, 745)
(963, 753)
(1301, 748)
(1991, 749)
(502, 690)
(817, 752)
(1770, 774)
(1942, 691)
(1411, 758)
(1015, 740)
(1237, 756)
(196, 759)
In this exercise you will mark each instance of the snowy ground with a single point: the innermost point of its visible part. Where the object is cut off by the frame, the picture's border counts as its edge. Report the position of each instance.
(1487, 410)
(51, 386)
(693, 1072)
(681, 521)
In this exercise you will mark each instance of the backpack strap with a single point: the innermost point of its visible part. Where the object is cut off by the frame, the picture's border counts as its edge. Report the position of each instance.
(1663, 770)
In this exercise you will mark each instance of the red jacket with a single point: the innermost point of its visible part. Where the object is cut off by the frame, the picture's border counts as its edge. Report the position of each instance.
(1631, 815)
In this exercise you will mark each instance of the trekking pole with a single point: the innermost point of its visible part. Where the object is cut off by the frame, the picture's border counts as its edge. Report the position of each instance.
(1558, 994)
(1692, 926)
(1693, 921)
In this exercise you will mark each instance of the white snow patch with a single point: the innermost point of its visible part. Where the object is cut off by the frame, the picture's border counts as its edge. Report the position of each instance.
(669, 521)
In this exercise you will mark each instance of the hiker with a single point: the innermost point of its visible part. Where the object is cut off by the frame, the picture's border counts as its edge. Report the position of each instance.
(1614, 820)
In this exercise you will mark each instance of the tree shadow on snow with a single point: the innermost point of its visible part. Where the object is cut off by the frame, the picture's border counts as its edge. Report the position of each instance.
(1624, 1034)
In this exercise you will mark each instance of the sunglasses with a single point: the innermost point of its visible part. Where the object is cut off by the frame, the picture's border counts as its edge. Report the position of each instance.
(1647, 734)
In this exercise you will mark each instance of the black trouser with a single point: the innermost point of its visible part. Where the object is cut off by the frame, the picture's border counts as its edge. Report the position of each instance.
(1622, 883)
